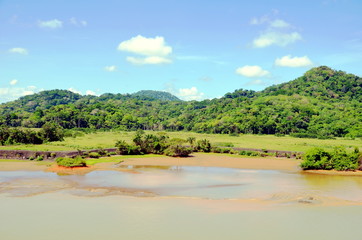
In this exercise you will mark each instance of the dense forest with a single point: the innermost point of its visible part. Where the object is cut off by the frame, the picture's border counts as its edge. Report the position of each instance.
(322, 103)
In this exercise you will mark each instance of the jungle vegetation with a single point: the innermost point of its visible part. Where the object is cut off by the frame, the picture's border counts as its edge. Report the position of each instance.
(323, 103)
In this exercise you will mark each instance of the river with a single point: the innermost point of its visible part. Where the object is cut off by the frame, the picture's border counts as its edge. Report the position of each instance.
(179, 203)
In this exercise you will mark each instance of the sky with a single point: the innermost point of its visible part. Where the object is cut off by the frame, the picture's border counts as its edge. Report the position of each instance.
(193, 49)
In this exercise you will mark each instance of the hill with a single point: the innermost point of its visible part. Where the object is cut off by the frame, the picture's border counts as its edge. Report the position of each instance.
(323, 103)
(322, 83)
(155, 95)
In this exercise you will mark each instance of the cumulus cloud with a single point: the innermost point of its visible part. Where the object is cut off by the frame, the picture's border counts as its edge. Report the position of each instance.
(258, 21)
(110, 68)
(78, 23)
(13, 82)
(278, 32)
(189, 94)
(276, 38)
(148, 60)
(12, 93)
(90, 92)
(19, 50)
(146, 46)
(52, 24)
(278, 23)
(155, 50)
(252, 71)
(288, 61)
(75, 90)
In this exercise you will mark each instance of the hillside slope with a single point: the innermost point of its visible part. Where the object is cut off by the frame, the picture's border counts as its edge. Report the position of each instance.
(322, 103)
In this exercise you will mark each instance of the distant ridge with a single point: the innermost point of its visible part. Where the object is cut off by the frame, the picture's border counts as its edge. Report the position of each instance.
(159, 95)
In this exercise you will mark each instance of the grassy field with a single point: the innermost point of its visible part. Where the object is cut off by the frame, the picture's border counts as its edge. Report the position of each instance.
(108, 139)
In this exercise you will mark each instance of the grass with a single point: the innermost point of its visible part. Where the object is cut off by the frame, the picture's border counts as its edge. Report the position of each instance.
(13, 160)
(108, 139)
(92, 161)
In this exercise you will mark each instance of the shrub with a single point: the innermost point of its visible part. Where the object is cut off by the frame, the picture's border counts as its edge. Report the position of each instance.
(178, 151)
(225, 144)
(39, 158)
(317, 158)
(71, 162)
(342, 161)
(203, 145)
(94, 155)
(339, 159)
(216, 150)
(128, 149)
(102, 152)
(122, 147)
(112, 153)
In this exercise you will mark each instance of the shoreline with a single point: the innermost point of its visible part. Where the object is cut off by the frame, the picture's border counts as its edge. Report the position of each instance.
(196, 160)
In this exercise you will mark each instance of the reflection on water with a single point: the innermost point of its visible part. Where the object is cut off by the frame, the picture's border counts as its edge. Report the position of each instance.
(59, 217)
(200, 182)
(211, 203)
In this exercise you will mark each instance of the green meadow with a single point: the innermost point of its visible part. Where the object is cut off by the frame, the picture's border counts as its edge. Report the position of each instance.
(270, 142)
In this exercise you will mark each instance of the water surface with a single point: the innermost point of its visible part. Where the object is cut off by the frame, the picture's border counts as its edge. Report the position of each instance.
(179, 203)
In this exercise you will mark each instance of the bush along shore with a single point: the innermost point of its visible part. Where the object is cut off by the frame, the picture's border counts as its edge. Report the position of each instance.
(339, 159)
(160, 143)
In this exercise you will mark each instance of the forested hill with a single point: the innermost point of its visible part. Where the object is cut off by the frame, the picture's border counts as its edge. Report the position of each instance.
(322, 103)
(322, 83)
(155, 95)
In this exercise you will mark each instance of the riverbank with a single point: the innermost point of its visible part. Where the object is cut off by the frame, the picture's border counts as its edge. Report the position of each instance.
(197, 159)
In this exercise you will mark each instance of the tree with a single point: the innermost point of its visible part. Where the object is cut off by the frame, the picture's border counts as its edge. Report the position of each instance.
(52, 132)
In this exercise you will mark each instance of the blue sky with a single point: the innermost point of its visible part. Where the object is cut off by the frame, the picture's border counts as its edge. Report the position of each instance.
(193, 49)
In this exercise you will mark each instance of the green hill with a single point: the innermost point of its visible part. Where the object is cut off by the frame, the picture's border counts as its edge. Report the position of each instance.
(155, 95)
(322, 83)
(322, 103)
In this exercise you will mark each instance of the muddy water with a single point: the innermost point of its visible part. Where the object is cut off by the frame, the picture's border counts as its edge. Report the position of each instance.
(179, 203)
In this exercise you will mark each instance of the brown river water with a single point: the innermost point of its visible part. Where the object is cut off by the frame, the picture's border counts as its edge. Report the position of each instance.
(179, 203)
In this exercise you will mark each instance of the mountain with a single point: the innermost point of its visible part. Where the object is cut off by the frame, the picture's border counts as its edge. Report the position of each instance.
(323, 83)
(155, 95)
(322, 103)
(41, 100)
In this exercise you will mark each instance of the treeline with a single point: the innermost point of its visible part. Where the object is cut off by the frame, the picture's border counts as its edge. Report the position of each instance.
(339, 159)
(48, 133)
(321, 104)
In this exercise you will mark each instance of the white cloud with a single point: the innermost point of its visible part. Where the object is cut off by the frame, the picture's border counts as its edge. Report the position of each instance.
(276, 38)
(19, 50)
(288, 61)
(53, 24)
(148, 60)
(252, 71)
(278, 32)
(90, 92)
(79, 23)
(146, 46)
(75, 90)
(110, 68)
(155, 50)
(13, 82)
(189, 94)
(258, 21)
(12, 93)
(278, 23)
